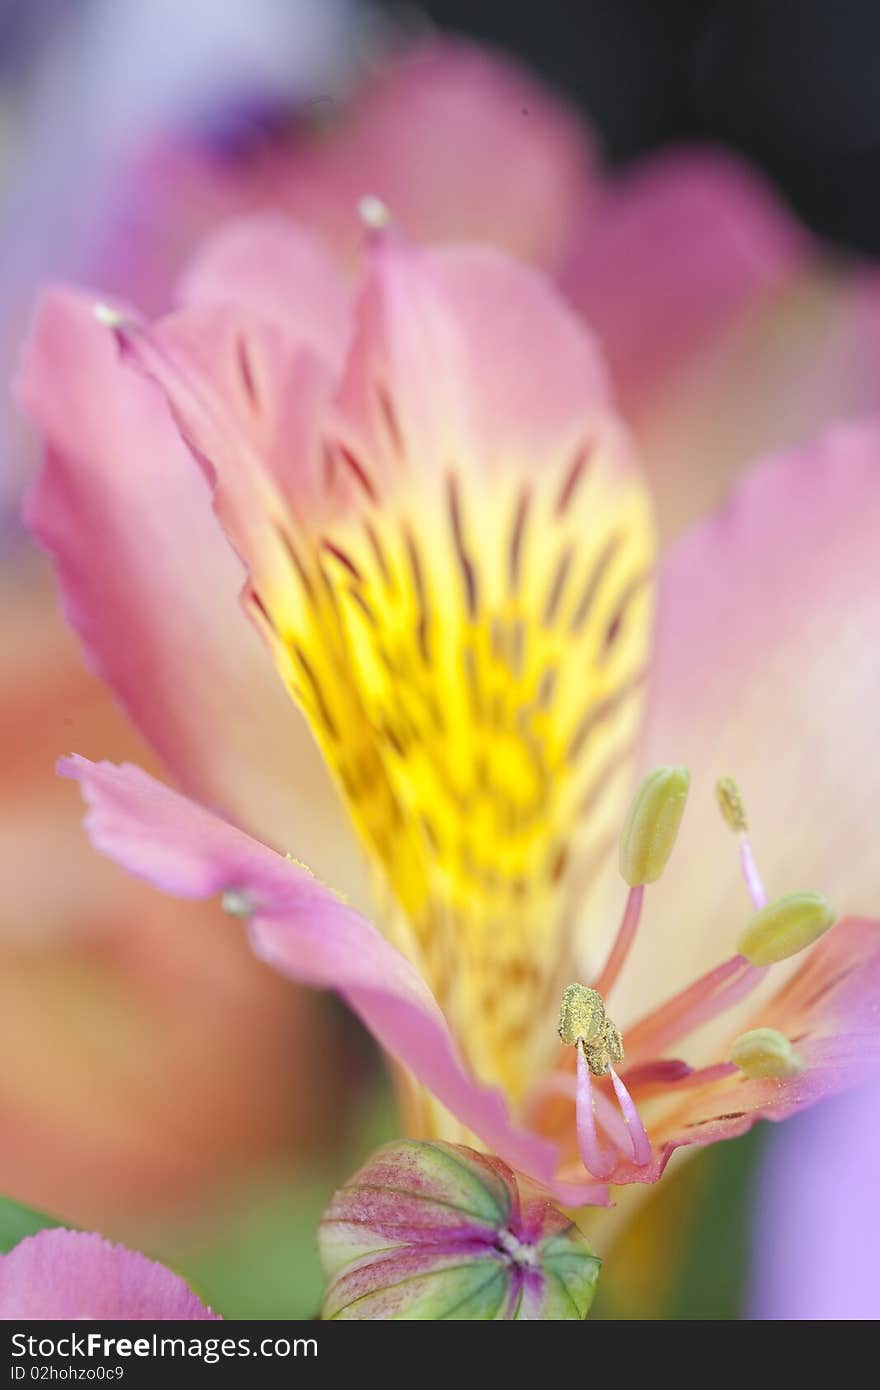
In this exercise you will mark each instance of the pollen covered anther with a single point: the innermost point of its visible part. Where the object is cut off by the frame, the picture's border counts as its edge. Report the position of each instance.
(584, 1023)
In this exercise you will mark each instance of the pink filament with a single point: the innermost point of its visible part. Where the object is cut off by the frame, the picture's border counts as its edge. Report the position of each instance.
(626, 934)
(754, 882)
(600, 1164)
(711, 1007)
(706, 997)
(638, 1138)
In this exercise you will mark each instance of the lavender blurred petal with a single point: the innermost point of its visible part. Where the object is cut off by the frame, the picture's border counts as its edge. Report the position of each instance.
(817, 1218)
(102, 84)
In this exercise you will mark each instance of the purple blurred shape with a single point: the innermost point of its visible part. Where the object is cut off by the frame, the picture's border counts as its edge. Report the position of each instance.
(817, 1218)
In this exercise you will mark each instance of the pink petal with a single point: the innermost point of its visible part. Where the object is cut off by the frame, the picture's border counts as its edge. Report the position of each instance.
(772, 379)
(282, 273)
(768, 669)
(442, 334)
(303, 930)
(249, 398)
(448, 334)
(121, 507)
(71, 1275)
(670, 255)
(248, 366)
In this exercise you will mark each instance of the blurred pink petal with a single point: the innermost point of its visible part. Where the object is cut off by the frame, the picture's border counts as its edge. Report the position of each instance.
(302, 929)
(766, 670)
(433, 136)
(167, 1059)
(457, 141)
(670, 254)
(281, 272)
(773, 378)
(114, 457)
(65, 1276)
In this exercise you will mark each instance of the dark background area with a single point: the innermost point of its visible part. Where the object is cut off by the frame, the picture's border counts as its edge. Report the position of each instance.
(793, 84)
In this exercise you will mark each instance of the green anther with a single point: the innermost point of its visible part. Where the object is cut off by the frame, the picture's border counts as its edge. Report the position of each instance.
(764, 1054)
(784, 928)
(652, 824)
(731, 804)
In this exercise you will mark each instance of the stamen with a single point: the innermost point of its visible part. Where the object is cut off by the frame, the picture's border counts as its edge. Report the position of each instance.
(786, 927)
(731, 804)
(764, 1054)
(652, 824)
(626, 935)
(733, 810)
(594, 1158)
(641, 1144)
(583, 1022)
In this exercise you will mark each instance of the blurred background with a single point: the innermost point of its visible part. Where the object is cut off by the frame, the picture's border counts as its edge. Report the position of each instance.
(156, 1082)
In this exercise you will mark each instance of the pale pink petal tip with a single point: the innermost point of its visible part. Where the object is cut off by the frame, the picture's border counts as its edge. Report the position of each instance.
(64, 1275)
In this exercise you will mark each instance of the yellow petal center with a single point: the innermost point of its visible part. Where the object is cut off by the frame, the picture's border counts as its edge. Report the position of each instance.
(470, 653)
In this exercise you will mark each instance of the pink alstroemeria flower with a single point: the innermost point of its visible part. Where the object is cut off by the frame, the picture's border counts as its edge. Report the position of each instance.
(60, 1275)
(447, 548)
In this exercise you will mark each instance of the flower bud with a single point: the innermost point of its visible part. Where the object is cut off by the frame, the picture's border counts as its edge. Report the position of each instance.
(431, 1230)
(764, 1053)
(652, 824)
(784, 928)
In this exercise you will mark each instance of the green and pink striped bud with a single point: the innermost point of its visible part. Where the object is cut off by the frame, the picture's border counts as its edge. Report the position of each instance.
(436, 1231)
